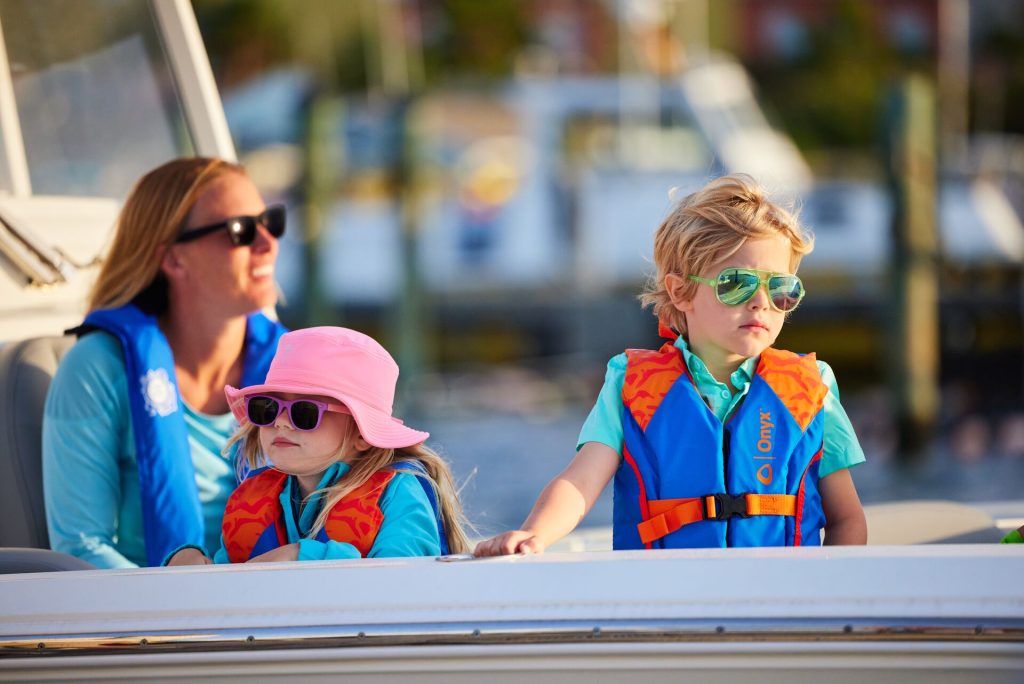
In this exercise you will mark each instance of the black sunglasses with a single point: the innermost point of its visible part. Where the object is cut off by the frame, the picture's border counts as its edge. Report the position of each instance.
(242, 229)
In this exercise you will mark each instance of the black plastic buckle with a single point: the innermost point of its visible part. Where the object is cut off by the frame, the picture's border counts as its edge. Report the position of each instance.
(727, 506)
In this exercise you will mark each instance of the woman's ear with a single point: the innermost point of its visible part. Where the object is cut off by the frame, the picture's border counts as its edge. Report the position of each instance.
(676, 285)
(171, 264)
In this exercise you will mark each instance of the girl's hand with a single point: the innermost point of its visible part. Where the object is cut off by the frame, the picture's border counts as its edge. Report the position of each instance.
(288, 552)
(516, 541)
(189, 556)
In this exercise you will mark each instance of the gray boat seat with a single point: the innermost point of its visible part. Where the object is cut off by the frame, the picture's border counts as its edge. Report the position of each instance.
(26, 368)
(15, 561)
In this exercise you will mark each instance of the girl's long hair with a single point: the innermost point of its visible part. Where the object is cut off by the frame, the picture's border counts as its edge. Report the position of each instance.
(363, 466)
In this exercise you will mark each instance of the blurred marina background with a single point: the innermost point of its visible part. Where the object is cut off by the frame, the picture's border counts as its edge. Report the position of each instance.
(476, 183)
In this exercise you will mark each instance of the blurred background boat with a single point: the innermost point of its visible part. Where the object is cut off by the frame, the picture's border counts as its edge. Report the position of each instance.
(484, 206)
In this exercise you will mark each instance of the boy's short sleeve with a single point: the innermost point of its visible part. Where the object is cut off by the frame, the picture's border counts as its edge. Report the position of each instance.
(841, 448)
(604, 424)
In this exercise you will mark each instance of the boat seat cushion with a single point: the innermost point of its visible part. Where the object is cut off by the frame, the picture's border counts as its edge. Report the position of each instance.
(26, 368)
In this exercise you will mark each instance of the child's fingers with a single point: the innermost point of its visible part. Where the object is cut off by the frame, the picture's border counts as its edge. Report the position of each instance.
(530, 545)
(502, 545)
(188, 556)
(488, 547)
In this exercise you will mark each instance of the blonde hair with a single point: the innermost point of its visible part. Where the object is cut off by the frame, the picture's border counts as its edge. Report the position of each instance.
(154, 213)
(712, 224)
(363, 467)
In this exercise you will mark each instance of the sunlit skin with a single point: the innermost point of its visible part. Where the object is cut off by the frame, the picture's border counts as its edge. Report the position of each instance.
(241, 276)
(304, 454)
(308, 454)
(723, 337)
(212, 286)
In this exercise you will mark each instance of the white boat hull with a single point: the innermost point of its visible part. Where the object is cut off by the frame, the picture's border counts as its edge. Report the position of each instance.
(925, 613)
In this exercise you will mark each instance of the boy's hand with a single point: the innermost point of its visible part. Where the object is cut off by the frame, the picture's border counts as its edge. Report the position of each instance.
(516, 541)
(288, 552)
(189, 556)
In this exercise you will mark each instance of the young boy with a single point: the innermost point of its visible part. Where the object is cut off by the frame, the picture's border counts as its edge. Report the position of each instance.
(716, 439)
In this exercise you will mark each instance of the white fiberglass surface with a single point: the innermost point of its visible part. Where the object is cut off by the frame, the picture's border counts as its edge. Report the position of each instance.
(96, 102)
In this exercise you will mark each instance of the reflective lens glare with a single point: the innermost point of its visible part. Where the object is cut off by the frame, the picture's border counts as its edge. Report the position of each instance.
(785, 291)
(735, 286)
(304, 414)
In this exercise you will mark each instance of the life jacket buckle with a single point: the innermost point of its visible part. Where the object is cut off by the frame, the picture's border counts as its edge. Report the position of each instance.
(725, 506)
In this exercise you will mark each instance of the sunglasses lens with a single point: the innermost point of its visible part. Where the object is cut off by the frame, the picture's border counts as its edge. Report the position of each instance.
(736, 286)
(305, 415)
(786, 292)
(273, 219)
(262, 410)
(242, 230)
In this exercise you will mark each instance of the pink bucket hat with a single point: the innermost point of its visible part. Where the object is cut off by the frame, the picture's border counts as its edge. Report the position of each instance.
(340, 363)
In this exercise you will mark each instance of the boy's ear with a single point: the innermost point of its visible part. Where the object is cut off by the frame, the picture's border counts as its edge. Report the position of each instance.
(675, 285)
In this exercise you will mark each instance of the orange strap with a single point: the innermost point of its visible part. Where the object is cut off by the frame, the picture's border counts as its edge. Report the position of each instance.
(668, 515)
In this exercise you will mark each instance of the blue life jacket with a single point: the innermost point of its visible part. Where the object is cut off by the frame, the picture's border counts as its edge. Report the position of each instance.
(171, 512)
(686, 480)
(416, 468)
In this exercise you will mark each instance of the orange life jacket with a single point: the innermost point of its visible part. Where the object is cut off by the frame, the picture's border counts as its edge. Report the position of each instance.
(254, 522)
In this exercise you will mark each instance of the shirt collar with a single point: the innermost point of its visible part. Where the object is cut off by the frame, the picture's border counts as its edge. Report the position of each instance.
(333, 473)
(702, 377)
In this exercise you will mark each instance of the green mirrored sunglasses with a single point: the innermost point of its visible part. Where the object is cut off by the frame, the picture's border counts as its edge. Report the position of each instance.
(734, 286)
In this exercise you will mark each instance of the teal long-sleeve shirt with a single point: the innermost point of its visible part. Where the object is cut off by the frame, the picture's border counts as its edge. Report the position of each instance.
(90, 470)
(409, 527)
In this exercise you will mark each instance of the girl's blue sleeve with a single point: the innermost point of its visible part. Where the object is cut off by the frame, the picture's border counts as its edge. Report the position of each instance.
(221, 557)
(408, 529)
(85, 420)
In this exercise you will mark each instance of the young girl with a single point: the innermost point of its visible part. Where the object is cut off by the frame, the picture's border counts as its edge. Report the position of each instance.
(336, 475)
(715, 439)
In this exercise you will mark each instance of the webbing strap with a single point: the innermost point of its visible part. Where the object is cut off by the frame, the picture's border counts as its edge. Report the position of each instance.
(668, 515)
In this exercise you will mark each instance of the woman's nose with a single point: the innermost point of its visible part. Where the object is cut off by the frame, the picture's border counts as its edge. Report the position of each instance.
(264, 241)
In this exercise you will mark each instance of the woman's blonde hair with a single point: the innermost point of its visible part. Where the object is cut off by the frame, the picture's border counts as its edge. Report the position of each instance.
(710, 225)
(363, 467)
(153, 215)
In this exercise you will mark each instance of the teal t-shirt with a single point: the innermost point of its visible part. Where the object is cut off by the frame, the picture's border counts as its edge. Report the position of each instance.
(90, 472)
(604, 424)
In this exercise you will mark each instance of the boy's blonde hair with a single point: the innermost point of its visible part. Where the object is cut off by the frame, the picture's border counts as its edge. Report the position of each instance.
(363, 467)
(712, 224)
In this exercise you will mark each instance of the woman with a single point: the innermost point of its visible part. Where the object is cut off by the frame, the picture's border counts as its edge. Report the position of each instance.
(136, 416)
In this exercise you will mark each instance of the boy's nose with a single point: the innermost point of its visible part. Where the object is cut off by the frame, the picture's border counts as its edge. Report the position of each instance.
(760, 299)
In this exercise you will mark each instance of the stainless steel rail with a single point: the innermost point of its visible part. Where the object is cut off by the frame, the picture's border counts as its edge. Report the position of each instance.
(508, 634)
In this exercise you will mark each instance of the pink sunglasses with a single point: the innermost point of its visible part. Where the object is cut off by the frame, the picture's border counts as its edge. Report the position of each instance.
(305, 414)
